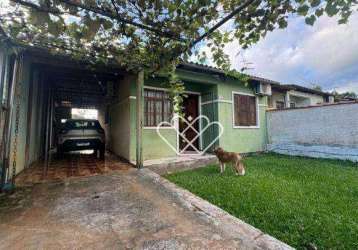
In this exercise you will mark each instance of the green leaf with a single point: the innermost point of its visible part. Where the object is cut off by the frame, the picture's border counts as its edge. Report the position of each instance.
(303, 10)
(55, 28)
(319, 12)
(91, 29)
(106, 24)
(282, 23)
(39, 18)
(342, 21)
(331, 9)
(315, 3)
(310, 20)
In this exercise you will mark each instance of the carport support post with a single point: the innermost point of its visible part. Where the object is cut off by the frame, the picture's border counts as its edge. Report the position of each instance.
(287, 99)
(8, 124)
(139, 124)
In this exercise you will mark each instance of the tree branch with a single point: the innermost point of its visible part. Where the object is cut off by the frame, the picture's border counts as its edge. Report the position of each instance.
(118, 18)
(38, 8)
(102, 12)
(223, 21)
(115, 7)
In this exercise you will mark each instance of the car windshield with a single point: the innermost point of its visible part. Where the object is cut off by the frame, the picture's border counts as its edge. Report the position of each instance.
(82, 124)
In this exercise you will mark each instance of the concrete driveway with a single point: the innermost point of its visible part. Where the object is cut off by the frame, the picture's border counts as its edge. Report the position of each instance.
(123, 210)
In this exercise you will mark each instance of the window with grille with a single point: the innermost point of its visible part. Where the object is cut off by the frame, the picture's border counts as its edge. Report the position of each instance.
(157, 107)
(245, 111)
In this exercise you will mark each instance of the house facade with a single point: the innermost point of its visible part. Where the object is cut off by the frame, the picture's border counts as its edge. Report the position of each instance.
(39, 89)
(295, 96)
(209, 93)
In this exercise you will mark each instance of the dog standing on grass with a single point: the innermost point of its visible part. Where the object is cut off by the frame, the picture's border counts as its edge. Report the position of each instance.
(229, 157)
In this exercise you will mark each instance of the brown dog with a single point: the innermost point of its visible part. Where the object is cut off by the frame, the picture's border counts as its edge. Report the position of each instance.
(230, 157)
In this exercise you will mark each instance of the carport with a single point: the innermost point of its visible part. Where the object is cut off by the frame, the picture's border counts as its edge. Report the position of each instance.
(40, 90)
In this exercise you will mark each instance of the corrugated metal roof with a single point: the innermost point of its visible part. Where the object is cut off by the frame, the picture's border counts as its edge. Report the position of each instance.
(275, 84)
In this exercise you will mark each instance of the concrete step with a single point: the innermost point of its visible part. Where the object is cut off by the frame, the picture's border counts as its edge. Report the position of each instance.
(180, 163)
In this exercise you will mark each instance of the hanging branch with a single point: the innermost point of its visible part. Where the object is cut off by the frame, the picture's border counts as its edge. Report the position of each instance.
(119, 18)
(39, 8)
(221, 23)
(177, 89)
(115, 6)
(102, 12)
(170, 23)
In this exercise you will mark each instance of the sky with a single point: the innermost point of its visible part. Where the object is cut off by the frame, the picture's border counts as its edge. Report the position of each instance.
(325, 54)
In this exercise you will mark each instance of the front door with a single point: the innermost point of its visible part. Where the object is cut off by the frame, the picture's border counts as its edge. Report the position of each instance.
(190, 113)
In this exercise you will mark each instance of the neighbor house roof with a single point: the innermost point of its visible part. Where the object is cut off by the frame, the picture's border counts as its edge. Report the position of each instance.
(275, 85)
(300, 88)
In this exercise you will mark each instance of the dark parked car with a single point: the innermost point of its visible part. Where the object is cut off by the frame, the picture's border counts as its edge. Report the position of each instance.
(81, 134)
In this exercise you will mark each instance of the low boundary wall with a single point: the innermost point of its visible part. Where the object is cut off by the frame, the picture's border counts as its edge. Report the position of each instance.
(328, 131)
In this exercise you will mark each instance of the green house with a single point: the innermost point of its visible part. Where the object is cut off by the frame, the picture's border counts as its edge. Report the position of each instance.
(39, 89)
(238, 106)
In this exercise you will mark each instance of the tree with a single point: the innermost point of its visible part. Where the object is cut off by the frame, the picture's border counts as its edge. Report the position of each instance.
(154, 33)
(344, 95)
(316, 87)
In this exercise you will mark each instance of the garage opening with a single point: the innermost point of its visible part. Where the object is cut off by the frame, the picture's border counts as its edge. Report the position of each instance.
(84, 113)
(68, 123)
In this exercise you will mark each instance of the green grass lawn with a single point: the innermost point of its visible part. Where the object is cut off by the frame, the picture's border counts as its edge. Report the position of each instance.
(298, 200)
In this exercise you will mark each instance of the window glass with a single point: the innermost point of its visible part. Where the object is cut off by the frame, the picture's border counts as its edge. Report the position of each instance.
(79, 113)
(157, 107)
(82, 124)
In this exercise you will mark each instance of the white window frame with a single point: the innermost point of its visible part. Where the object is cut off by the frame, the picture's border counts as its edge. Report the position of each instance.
(257, 126)
(167, 90)
(154, 88)
(176, 125)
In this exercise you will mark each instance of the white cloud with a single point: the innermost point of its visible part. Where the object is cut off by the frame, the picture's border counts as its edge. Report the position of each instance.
(302, 54)
(332, 47)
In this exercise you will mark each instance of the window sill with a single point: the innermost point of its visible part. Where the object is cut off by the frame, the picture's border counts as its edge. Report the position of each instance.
(247, 127)
(156, 127)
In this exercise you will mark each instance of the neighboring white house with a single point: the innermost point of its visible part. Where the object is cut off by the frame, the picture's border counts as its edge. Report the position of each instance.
(295, 96)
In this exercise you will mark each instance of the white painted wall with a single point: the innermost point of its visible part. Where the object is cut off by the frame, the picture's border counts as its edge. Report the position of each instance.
(301, 99)
(324, 131)
(311, 99)
(276, 96)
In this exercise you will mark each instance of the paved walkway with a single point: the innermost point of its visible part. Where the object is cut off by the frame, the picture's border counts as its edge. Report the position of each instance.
(127, 209)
